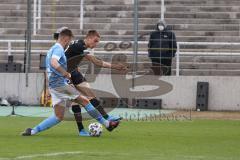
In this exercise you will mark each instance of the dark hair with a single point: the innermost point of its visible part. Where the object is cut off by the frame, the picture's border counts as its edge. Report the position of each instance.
(55, 36)
(92, 33)
(59, 30)
(66, 32)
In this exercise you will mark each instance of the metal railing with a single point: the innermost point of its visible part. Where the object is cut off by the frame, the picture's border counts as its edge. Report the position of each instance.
(37, 15)
(163, 9)
(37, 11)
(81, 14)
(9, 50)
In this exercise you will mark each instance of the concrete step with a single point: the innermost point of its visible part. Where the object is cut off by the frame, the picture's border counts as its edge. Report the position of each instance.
(141, 32)
(102, 32)
(130, 20)
(17, 57)
(210, 59)
(102, 2)
(13, 19)
(99, 26)
(87, 8)
(183, 72)
(216, 66)
(202, 8)
(16, 25)
(203, 2)
(15, 13)
(142, 26)
(205, 27)
(180, 30)
(155, 14)
(207, 72)
(73, 13)
(201, 21)
(186, 2)
(141, 47)
(13, 1)
(11, 36)
(212, 33)
(120, 13)
(206, 15)
(22, 37)
(215, 47)
(208, 39)
(155, 20)
(16, 6)
(21, 45)
(141, 2)
(186, 68)
(16, 34)
(22, 49)
(116, 8)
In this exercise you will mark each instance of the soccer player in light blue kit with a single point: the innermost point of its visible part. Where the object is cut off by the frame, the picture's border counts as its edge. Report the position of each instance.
(62, 93)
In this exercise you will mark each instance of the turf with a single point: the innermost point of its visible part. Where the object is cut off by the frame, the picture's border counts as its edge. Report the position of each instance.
(158, 140)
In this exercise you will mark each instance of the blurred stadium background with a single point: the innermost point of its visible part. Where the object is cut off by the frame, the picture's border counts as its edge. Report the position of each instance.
(205, 77)
(207, 34)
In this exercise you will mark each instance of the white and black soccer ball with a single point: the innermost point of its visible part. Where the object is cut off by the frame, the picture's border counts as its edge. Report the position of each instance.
(95, 129)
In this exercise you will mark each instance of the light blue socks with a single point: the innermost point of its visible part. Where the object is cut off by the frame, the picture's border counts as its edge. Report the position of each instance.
(45, 124)
(96, 115)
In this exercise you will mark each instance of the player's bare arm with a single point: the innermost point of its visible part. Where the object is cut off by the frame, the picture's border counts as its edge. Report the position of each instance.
(56, 65)
(104, 64)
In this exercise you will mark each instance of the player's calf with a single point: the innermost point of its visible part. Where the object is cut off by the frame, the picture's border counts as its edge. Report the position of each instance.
(78, 117)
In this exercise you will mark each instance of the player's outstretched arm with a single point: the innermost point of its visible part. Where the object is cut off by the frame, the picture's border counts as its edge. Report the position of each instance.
(104, 64)
(119, 66)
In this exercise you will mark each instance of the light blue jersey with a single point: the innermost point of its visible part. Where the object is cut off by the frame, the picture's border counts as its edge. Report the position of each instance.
(55, 79)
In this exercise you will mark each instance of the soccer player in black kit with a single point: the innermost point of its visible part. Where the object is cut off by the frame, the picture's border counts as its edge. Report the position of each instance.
(75, 53)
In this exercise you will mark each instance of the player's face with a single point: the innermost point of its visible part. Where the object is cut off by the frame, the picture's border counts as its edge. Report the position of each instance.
(67, 40)
(93, 41)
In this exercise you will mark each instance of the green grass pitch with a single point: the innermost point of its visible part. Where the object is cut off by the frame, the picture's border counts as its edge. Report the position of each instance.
(158, 140)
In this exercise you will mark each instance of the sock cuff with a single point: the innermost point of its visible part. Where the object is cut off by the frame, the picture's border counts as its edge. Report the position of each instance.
(76, 109)
(95, 102)
(47, 123)
(89, 107)
(56, 118)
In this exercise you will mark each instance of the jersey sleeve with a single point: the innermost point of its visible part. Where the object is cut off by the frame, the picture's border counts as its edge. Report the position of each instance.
(86, 51)
(57, 53)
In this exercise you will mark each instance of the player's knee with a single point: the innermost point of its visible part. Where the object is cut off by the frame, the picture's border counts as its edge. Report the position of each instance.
(95, 102)
(76, 109)
(60, 116)
(85, 85)
(59, 111)
(77, 77)
(83, 100)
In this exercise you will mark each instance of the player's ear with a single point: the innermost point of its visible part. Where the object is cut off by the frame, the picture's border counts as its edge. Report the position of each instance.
(55, 36)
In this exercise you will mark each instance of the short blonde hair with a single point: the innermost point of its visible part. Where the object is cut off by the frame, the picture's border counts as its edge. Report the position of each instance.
(92, 33)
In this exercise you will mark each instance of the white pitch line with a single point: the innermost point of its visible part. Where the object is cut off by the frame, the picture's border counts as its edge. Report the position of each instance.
(43, 155)
(192, 157)
(57, 154)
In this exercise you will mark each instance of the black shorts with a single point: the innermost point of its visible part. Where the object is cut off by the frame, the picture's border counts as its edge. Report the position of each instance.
(77, 77)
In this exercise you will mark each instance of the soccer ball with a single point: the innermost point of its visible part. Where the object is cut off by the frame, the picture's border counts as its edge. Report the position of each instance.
(95, 129)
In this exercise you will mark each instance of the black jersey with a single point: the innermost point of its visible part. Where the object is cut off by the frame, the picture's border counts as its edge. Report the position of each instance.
(75, 53)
